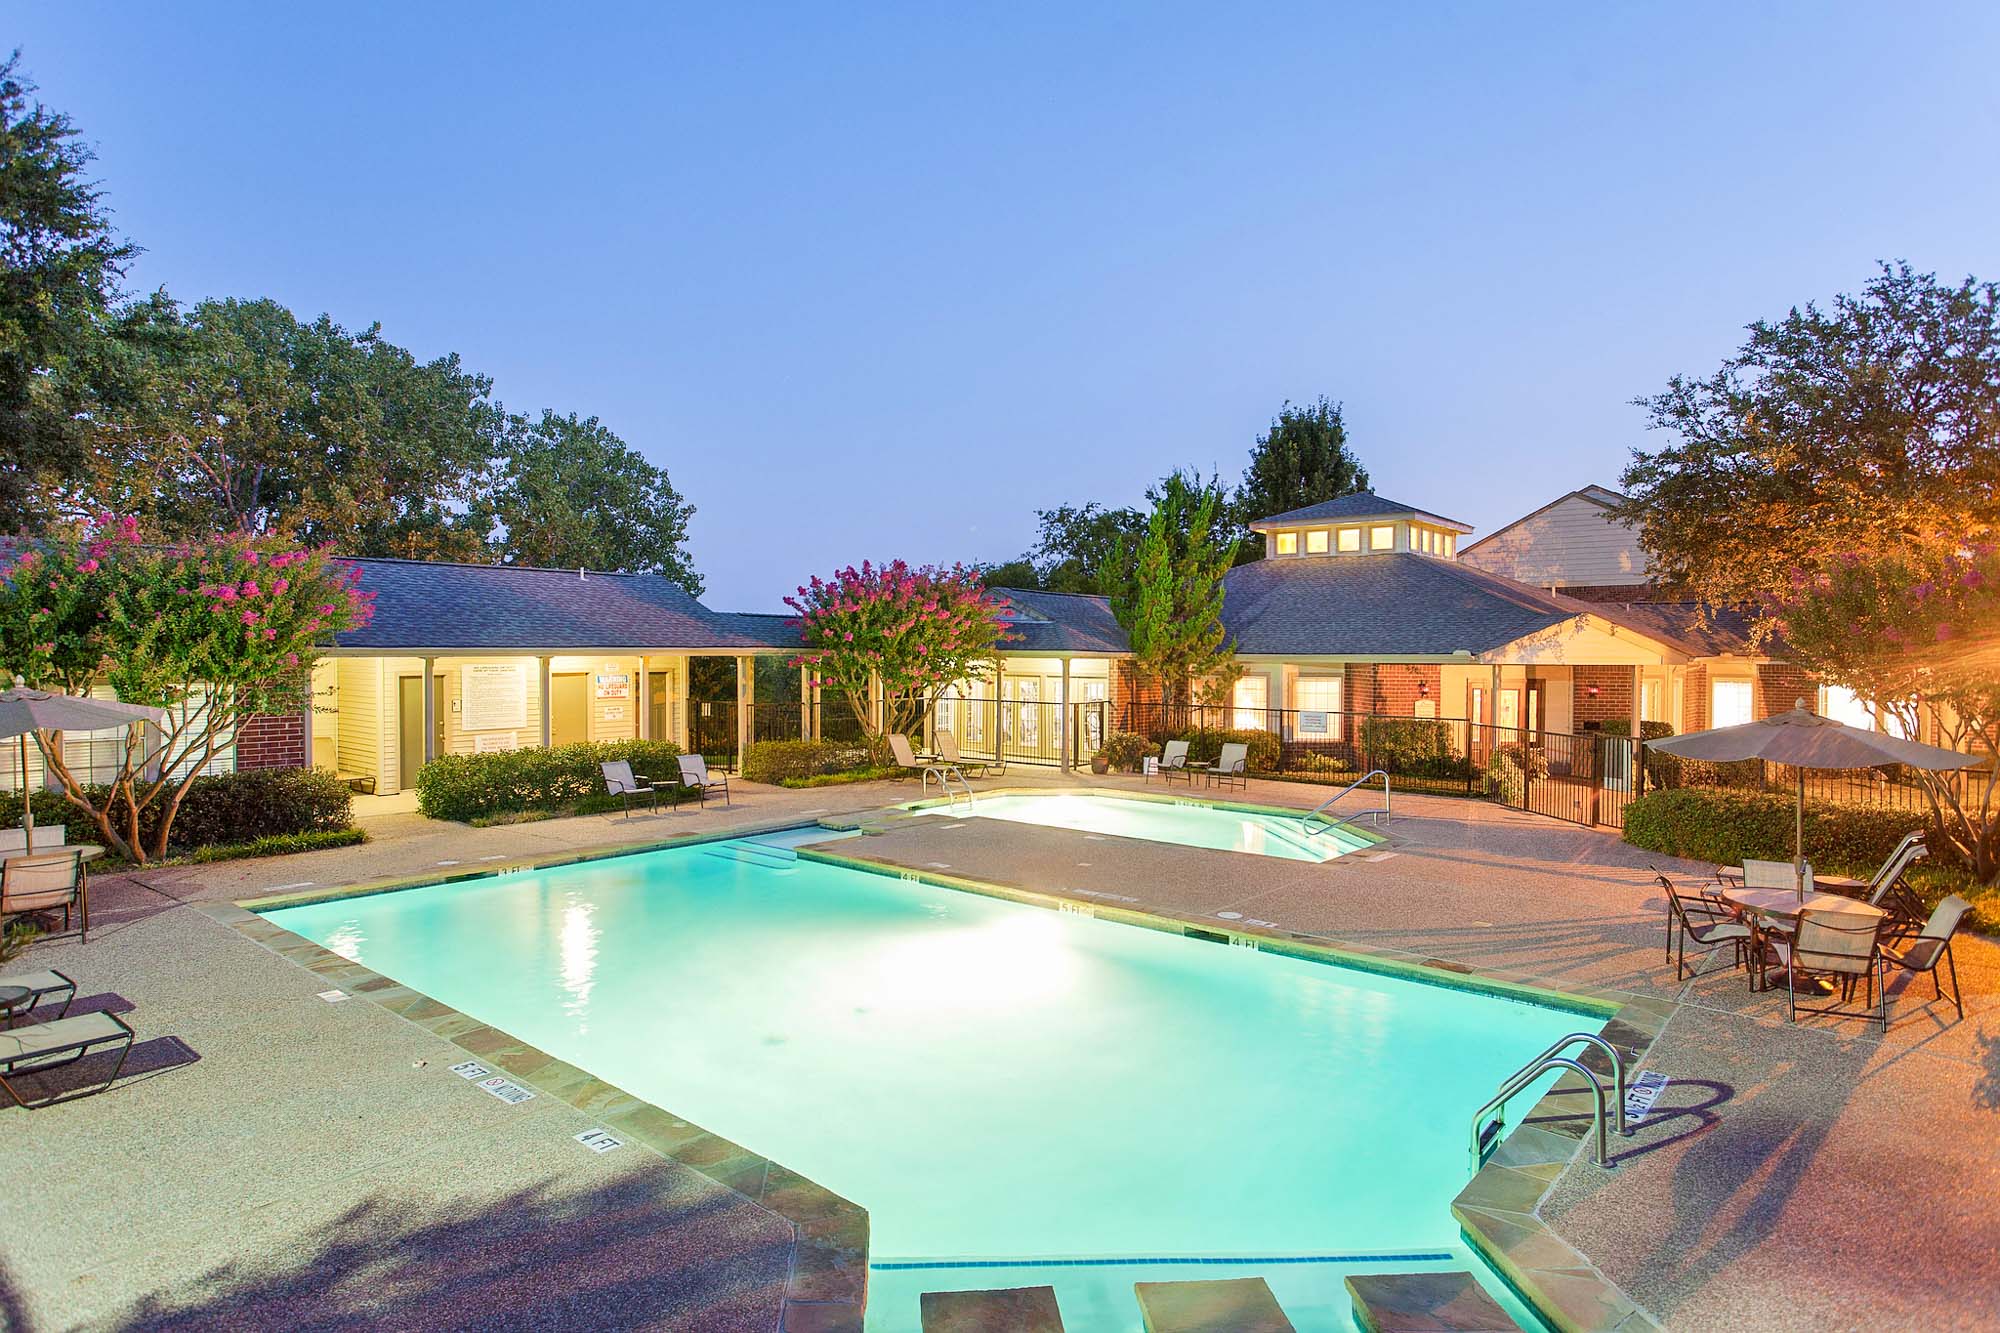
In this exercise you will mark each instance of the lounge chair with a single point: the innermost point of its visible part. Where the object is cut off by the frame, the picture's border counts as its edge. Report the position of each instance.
(1231, 767)
(947, 745)
(695, 777)
(926, 769)
(1932, 946)
(40, 1047)
(39, 885)
(1843, 947)
(1710, 925)
(1173, 760)
(1888, 891)
(620, 781)
(40, 986)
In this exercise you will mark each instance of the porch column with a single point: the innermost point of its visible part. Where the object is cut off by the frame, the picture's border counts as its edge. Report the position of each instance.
(805, 704)
(1638, 731)
(430, 709)
(642, 701)
(545, 700)
(746, 699)
(683, 724)
(306, 723)
(1063, 730)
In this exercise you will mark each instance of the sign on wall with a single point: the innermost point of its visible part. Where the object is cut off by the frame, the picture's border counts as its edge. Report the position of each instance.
(492, 742)
(495, 696)
(1312, 722)
(614, 685)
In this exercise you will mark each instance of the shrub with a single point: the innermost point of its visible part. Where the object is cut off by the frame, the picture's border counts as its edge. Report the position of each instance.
(280, 844)
(780, 762)
(1128, 750)
(1411, 746)
(1510, 768)
(566, 777)
(1205, 746)
(219, 809)
(866, 773)
(1709, 824)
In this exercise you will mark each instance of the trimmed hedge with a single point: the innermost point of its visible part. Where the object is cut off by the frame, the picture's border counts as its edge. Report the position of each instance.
(779, 762)
(280, 844)
(222, 809)
(567, 777)
(1412, 747)
(1721, 826)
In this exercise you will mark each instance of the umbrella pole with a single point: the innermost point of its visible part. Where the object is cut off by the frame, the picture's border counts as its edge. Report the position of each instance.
(27, 797)
(1799, 839)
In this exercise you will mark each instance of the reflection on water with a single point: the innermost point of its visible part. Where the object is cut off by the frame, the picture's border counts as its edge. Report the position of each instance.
(579, 958)
(346, 940)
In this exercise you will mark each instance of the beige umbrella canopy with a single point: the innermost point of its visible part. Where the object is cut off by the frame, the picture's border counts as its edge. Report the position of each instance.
(1806, 740)
(23, 711)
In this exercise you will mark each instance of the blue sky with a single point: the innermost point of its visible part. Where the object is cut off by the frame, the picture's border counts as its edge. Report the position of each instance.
(882, 283)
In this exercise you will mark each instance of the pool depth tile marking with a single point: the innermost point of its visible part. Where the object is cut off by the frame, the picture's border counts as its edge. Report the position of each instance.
(827, 1288)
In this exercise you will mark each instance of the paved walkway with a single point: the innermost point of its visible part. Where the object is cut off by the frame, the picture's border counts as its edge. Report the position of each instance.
(273, 1160)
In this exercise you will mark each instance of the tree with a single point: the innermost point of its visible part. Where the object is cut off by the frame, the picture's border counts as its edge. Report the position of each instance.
(1169, 589)
(213, 632)
(572, 494)
(909, 632)
(60, 263)
(1076, 545)
(1917, 633)
(1867, 427)
(1019, 572)
(1301, 460)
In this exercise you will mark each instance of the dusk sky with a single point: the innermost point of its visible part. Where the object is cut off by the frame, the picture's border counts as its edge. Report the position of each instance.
(883, 283)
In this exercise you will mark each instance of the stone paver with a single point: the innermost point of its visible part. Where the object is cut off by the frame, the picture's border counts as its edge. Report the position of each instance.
(1425, 1303)
(1014, 1309)
(1228, 1305)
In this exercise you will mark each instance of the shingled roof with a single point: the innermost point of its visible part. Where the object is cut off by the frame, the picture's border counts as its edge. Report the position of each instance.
(423, 604)
(1392, 605)
(1361, 504)
(1060, 622)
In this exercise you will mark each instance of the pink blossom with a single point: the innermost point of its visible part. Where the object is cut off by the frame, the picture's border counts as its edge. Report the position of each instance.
(270, 634)
(250, 588)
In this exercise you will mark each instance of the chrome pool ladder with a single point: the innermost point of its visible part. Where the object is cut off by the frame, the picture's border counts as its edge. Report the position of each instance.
(1318, 812)
(944, 773)
(1492, 1117)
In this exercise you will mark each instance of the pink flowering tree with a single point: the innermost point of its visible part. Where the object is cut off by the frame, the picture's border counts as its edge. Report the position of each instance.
(1917, 634)
(912, 632)
(214, 632)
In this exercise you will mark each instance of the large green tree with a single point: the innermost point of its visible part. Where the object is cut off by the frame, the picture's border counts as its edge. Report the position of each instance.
(570, 493)
(60, 264)
(1301, 460)
(1167, 588)
(1872, 425)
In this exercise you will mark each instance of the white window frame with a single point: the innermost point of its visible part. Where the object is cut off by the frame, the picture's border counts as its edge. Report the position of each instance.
(1250, 714)
(1317, 541)
(1287, 543)
(1350, 540)
(1382, 537)
(1739, 688)
(1307, 685)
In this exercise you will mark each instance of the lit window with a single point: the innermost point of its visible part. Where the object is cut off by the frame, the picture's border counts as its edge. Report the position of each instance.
(1424, 540)
(1316, 542)
(1288, 543)
(1382, 538)
(1729, 703)
(1252, 697)
(1313, 696)
(1350, 539)
(1450, 544)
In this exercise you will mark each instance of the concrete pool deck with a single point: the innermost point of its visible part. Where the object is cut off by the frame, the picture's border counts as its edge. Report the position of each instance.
(287, 1161)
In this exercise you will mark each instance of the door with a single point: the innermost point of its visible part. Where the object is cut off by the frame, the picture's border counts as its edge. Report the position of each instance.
(660, 705)
(409, 730)
(1508, 717)
(569, 708)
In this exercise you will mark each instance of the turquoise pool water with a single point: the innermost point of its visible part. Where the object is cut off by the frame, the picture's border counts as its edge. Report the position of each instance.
(1019, 1088)
(1183, 823)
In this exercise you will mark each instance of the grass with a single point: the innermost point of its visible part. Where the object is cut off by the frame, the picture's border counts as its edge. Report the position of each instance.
(278, 844)
(842, 779)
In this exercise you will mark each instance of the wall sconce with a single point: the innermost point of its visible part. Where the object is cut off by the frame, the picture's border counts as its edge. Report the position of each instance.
(1590, 690)
(1423, 689)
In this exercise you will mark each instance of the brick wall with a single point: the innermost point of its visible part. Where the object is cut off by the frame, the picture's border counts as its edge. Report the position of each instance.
(1697, 700)
(272, 742)
(1613, 699)
(1127, 689)
(1392, 688)
(1780, 686)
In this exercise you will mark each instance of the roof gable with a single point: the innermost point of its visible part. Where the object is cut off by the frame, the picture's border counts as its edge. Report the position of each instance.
(1059, 622)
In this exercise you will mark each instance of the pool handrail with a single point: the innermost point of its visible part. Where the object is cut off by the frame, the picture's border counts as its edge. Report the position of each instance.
(1319, 811)
(1553, 1058)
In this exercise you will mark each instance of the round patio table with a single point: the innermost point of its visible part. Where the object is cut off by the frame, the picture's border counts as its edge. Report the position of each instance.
(1785, 905)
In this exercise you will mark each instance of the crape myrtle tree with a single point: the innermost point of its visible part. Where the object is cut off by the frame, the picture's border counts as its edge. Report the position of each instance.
(1168, 591)
(213, 632)
(911, 632)
(1918, 632)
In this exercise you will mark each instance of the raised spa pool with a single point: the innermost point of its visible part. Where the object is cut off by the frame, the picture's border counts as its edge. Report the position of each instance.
(1185, 823)
(1017, 1096)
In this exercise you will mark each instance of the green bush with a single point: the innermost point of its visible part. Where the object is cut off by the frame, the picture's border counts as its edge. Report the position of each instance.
(866, 773)
(1128, 750)
(1710, 824)
(1509, 769)
(219, 809)
(566, 777)
(280, 844)
(780, 762)
(1411, 746)
(1205, 746)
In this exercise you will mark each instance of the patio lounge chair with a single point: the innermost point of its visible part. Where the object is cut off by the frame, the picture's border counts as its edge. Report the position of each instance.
(1709, 924)
(45, 883)
(1932, 946)
(1843, 947)
(947, 745)
(906, 760)
(1173, 760)
(41, 1047)
(40, 986)
(1231, 767)
(619, 781)
(1888, 891)
(695, 777)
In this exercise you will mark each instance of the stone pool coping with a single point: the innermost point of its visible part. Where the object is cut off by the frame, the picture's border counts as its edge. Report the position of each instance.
(827, 1288)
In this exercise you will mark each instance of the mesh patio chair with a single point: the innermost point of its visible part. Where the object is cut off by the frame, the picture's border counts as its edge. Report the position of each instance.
(1836, 946)
(1773, 875)
(46, 883)
(1231, 767)
(696, 778)
(1708, 923)
(1933, 946)
(48, 837)
(1174, 762)
(620, 781)
(1889, 891)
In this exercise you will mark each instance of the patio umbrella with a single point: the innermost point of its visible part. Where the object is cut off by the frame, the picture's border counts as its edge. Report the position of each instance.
(23, 710)
(1806, 740)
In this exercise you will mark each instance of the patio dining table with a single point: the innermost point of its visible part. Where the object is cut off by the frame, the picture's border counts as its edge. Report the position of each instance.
(1785, 906)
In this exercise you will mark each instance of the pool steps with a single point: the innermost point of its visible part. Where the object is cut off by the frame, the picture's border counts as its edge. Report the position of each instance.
(1425, 1303)
(1016, 1309)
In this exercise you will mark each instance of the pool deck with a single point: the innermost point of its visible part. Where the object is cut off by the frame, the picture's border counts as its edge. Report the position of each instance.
(272, 1160)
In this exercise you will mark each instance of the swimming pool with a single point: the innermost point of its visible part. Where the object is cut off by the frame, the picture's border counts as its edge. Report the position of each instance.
(1183, 823)
(1017, 1096)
